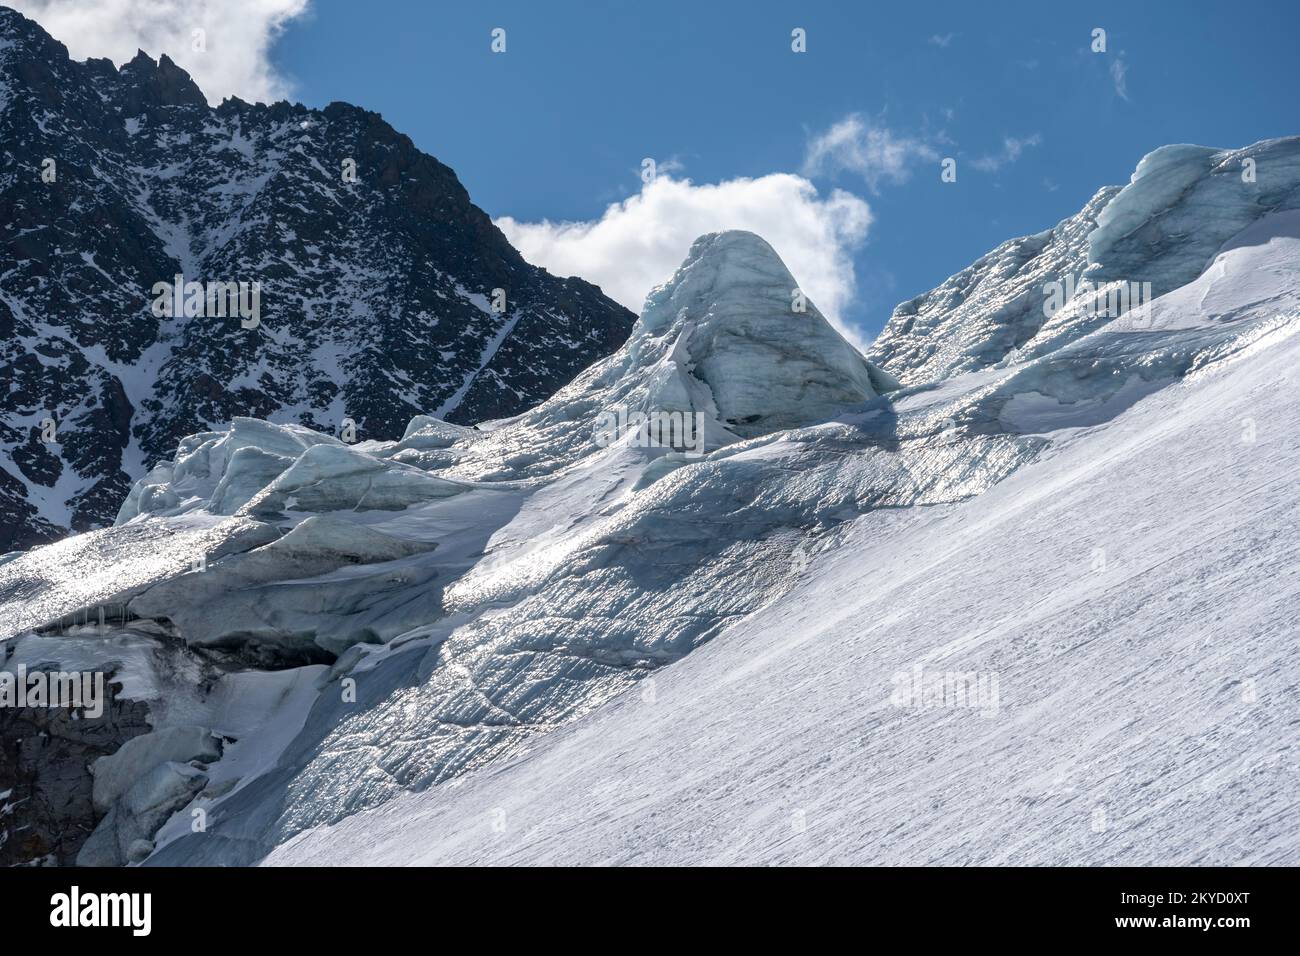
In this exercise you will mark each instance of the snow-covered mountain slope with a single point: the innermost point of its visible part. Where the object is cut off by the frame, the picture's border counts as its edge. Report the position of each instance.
(430, 612)
(501, 582)
(375, 272)
(1111, 588)
(1133, 594)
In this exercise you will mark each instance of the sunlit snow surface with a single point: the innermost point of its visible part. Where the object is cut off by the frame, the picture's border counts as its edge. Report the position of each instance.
(478, 588)
(1135, 592)
(107, 567)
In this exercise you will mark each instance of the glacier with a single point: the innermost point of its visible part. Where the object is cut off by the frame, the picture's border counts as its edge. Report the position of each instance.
(517, 642)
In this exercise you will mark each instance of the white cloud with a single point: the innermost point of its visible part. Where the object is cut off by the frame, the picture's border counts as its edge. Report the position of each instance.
(875, 153)
(942, 39)
(237, 34)
(1011, 150)
(638, 243)
(1119, 75)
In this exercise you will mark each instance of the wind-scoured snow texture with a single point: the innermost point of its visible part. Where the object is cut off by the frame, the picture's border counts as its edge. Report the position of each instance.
(1163, 228)
(548, 571)
(1134, 595)
(1132, 592)
(376, 289)
(552, 571)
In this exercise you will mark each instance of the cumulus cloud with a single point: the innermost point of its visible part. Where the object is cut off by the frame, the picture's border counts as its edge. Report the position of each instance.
(942, 39)
(875, 153)
(638, 243)
(1011, 150)
(229, 57)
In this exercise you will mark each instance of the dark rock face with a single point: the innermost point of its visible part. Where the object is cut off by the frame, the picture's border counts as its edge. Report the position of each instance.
(375, 272)
(46, 807)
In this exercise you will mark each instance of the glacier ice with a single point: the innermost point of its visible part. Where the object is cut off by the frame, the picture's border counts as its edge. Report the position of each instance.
(203, 460)
(118, 772)
(249, 471)
(1165, 228)
(993, 307)
(328, 583)
(764, 363)
(124, 835)
(334, 478)
(1184, 202)
(66, 583)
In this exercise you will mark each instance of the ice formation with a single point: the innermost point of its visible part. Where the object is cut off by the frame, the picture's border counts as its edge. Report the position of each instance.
(1164, 228)
(765, 359)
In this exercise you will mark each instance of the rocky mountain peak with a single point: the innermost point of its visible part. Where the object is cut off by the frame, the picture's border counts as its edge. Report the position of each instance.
(332, 275)
(160, 83)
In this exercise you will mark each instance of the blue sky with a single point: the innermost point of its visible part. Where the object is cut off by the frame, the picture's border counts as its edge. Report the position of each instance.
(556, 128)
